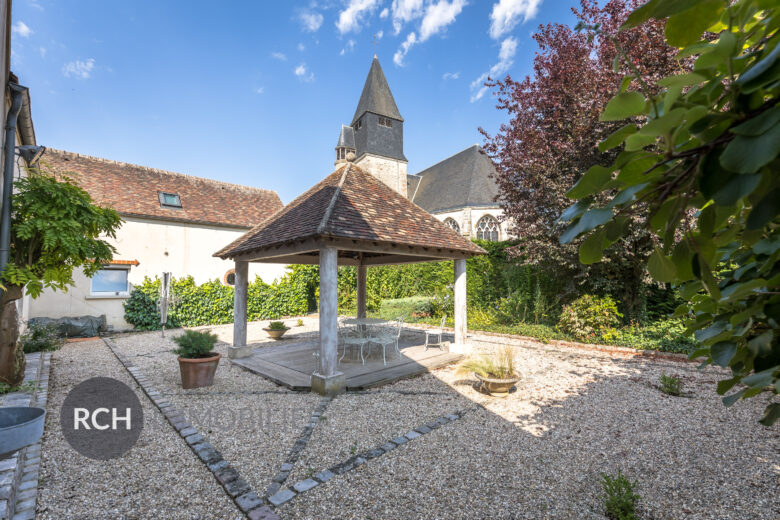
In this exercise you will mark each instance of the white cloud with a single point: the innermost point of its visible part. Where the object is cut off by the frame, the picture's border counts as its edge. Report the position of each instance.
(303, 73)
(311, 20)
(450, 75)
(379, 35)
(437, 17)
(405, 11)
(508, 13)
(400, 54)
(384, 14)
(79, 69)
(506, 56)
(349, 47)
(301, 47)
(21, 29)
(259, 90)
(35, 4)
(279, 56)
(354, 14)
(42, 51)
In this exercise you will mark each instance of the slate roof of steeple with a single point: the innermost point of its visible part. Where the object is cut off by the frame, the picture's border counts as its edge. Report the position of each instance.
(346, 137)
(351, 204)
(376, 96)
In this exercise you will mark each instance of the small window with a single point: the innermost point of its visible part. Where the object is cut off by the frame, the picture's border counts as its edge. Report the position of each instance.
(487, 228)
(452, 224)
(385, 121)
(359, 124)
(169, 200)
(110, 280)
(230, 277)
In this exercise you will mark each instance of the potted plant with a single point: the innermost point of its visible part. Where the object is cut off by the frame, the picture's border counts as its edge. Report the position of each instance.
(276, 329)
(197, 359)
(496, 372)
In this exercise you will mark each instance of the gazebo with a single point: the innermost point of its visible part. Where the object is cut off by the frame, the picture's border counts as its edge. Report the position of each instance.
(349, 218)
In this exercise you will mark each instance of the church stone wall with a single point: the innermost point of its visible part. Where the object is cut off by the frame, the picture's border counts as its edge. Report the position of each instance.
(390, 171)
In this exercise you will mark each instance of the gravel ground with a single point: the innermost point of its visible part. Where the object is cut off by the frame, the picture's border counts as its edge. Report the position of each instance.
(159, 478)
(250, 420)
(538, 453)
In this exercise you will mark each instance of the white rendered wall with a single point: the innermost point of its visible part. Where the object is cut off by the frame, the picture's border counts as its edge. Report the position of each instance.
(159, 246)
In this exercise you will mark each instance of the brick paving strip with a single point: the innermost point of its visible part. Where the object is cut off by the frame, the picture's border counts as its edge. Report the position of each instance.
(254, 507)
(285, 495)
(19, 472)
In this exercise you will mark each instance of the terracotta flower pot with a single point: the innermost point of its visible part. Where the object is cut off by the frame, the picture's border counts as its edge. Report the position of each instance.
(276, 333)
(497, 387)
(198, 372)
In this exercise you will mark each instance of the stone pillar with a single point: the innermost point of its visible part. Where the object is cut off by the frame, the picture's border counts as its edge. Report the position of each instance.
(460, 308)
(362, 271)
(240, 348)
(327, 380)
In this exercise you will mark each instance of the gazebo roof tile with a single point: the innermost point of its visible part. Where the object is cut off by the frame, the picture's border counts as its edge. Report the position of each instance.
(351, 204)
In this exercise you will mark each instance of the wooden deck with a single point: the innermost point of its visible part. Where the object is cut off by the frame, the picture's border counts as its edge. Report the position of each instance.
(291, 362)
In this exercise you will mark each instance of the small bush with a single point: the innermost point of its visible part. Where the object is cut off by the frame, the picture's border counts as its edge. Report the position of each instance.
(591, 318)
(422, 309)
(277, 325)
(619, 499)
(499, 365)
(671, 385)
(299, 323)
(40, 338)
(194, 344)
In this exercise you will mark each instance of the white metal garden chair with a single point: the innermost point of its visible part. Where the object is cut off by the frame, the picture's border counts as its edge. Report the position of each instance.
(389, 336)
(437, 333)
(350, 336)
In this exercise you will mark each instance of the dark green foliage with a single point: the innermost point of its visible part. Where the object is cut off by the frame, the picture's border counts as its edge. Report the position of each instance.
(619, 497)
(591, 318)
(194, 344)
(671, 385)
(141, 308)
(40, 338)
(5, 388)
(277, 325)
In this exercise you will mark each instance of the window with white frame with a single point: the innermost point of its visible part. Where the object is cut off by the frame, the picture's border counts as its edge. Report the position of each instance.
(110, 281)
(452, 224)
(487, 228)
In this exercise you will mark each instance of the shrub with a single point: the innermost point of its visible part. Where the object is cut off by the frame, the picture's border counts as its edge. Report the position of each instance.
(40, 338)
(277, 325)
(499, 365)
(671, 385)
(619, 499)
(299, 323)
(422, 308)
(195, 344)
(667, 335)
(590, 318)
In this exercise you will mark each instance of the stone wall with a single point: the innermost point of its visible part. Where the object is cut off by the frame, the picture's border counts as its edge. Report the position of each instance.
(390, 171)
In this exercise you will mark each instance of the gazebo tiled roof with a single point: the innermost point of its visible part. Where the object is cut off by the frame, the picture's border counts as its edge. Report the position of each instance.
(354, 207)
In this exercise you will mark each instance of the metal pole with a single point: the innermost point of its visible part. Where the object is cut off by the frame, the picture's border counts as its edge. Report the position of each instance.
(8, 172)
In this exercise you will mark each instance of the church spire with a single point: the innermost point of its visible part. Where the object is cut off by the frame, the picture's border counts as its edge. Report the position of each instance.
(376, 97)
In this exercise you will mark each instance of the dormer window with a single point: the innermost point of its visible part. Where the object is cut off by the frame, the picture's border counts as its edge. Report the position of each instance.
(169, 200)
(359, 124)
(385, 121)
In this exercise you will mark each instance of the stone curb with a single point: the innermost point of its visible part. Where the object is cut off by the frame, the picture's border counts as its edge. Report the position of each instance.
(228, 477)
(19, 473)
(285, 495)
(298, 446)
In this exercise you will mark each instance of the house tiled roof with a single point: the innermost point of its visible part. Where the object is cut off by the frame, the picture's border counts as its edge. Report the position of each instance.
(352, 204)
(132, 190)
(456, 182)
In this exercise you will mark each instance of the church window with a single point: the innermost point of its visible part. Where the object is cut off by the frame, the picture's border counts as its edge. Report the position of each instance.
(359, 124)
(452, 224)
(487, 228)
(385, 121)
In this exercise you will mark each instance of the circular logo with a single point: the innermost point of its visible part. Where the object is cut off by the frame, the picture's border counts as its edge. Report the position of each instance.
(101, 418)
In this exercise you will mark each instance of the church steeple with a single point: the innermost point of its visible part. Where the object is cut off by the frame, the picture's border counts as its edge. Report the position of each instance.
(376, 96)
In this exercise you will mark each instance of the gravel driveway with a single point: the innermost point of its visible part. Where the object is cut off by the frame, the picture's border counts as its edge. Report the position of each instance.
(538, 453)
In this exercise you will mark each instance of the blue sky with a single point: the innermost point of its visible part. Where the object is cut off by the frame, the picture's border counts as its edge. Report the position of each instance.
(255, 92)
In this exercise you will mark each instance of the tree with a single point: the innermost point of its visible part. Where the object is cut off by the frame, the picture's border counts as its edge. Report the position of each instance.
(550, 141)
(703, 143)
(55, 228)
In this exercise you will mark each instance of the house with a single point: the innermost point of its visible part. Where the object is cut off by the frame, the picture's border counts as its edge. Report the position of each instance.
(172, 223)
(459, 190)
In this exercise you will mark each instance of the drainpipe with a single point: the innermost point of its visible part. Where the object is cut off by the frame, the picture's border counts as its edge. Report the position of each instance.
(17, 92)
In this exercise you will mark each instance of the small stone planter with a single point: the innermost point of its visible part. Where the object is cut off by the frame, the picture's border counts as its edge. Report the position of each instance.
(198, 372)
(276, 333)
(497, 387)
(20, 426)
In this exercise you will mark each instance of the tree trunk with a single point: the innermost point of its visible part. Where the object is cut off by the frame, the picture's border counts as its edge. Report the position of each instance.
(12, 360)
